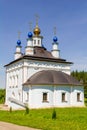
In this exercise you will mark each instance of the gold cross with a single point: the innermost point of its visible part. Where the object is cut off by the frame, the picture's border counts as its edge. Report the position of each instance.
(30, 26)
(19, 33)
(37, 17)
(55, 30)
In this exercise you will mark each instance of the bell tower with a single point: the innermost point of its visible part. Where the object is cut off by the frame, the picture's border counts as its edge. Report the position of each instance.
(37, 39)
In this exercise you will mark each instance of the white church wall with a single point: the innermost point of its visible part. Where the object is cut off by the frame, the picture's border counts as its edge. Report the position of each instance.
(58, 96)
(26, 95)
(74, 91)
(12, 93)
(54, 95)
(14, 81)
(37, 66)
(37, 97)
(51, 65)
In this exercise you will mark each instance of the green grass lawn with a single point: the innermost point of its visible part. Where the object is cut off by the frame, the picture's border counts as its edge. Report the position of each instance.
(67, 118)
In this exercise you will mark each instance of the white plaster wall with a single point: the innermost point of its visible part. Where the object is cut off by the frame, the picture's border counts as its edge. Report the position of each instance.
(36, 66)
(29, 42)
(74, 91)
(55, 46)
(36, 97)
(14, 85)
(58, 96)
(25, 91)
(56, 53)
(54, 96)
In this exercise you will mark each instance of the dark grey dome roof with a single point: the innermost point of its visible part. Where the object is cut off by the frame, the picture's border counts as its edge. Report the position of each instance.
(51, 77)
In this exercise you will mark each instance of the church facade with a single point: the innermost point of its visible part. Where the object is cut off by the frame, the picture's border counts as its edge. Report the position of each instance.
(40, 78)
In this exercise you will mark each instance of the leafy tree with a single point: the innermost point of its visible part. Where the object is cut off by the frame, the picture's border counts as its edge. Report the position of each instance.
(82, 77)
(2, 96)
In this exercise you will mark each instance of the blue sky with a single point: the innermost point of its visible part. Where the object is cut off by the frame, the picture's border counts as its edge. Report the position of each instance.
(69, 17)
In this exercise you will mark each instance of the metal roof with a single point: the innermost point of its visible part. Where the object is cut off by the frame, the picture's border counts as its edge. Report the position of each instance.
(51, 77)
(41, 54)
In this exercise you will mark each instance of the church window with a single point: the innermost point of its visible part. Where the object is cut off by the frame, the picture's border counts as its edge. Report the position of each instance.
(10, 82)
(13, 94)
(13, 81)
(16, 81)
(38, 42)
(45, 97)
(27, 96)
(78, 97)
(34, 42)
(63, 97)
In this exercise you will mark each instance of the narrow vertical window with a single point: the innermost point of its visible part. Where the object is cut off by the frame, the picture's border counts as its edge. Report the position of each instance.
(44, 97)
(78, 97)
(34, 42)
(16, 81)
(63, 97)
(10, 82)
(38, 42)
(27, 96)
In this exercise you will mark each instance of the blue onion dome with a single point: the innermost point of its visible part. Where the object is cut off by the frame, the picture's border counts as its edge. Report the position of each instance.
(19, 42)
(30, 34)
(55, 39)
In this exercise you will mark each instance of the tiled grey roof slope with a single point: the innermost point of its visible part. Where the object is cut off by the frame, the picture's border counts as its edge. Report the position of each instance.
(52, 77)
(41, 54)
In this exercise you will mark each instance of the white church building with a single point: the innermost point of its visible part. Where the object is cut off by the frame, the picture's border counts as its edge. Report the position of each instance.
(40, 78)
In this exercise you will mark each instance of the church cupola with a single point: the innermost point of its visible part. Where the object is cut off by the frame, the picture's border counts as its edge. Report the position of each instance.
(36, 31)
(18, 52)
(30, 35)
(29, 50)
(55, 52)
(37, 39)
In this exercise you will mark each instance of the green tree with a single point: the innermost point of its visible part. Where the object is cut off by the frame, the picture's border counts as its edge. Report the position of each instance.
(2, 96)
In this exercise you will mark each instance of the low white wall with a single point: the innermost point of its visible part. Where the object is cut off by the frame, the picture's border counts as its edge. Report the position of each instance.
(34, 99)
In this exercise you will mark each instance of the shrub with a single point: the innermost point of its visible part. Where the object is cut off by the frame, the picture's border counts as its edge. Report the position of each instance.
(54, 114)
(27, 110)
(10, 109)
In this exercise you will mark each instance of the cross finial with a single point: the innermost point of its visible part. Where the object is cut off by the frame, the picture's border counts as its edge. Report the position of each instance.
(19, 33)
(55, 30)
(37, 17)
(30, 26)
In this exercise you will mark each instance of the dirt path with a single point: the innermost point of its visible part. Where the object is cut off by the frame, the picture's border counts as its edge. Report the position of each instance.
(9, 126)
